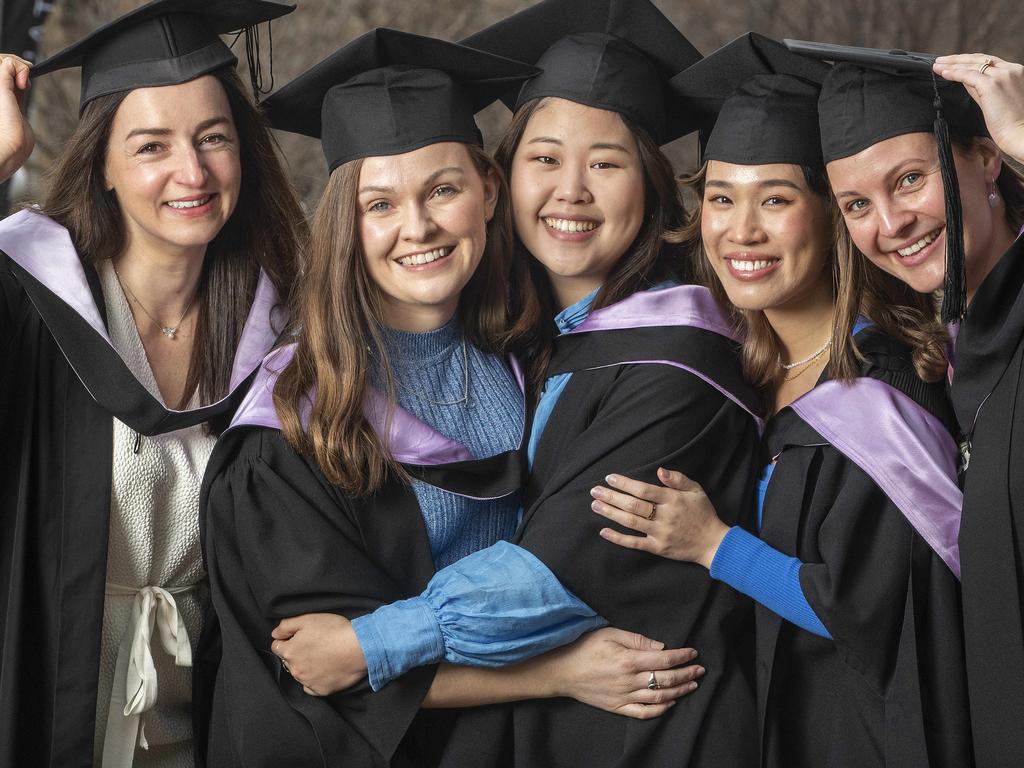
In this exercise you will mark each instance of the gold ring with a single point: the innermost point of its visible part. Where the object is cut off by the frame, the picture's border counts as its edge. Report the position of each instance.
(654, 511)
(985, 65)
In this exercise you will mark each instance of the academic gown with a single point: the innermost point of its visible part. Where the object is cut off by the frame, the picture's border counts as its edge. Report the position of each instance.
(61, 383)
(988, 395)
(889, 688)
(654, 384)
(280, 541)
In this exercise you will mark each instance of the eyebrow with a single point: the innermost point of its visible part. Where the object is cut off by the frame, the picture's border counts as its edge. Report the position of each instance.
(167, 131)
(598, 145)
(762, 184)
(429, 180)
(896, 171)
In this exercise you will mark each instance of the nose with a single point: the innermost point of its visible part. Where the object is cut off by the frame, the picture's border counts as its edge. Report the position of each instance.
(572, 185)
(418, 224)
(191, 170)
(893, 219)
(745, 226)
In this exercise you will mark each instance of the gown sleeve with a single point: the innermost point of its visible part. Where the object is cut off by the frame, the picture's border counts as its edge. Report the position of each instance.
(280, 541)
(495, 607)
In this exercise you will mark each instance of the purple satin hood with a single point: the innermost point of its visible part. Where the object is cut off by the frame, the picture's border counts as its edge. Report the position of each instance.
(907, 452)
(689, 305)
(43, 248)
(409, 439)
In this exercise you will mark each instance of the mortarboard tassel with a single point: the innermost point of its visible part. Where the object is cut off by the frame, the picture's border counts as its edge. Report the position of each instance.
(954, 289)
(252, 58)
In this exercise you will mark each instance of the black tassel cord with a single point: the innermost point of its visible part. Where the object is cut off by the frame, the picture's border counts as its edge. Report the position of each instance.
(954, 290)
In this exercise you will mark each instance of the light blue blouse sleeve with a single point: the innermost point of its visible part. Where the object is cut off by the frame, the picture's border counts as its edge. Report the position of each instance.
(752, 567)
(498, 606)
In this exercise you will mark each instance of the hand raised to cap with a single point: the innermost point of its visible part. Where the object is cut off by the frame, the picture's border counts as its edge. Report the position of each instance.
(16, 137)
(998, 87)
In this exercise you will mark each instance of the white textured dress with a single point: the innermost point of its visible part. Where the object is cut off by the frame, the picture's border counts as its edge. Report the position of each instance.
(156, 585)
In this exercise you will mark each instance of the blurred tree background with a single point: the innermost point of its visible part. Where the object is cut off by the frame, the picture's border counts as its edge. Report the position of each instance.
(318, 27)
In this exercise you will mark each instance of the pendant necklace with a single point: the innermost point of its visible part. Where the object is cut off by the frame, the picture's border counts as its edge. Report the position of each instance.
(167, 330)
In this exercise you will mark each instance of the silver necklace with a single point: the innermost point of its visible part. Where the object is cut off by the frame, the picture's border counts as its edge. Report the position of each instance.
(465, 384)
(806, 360)
(167, 330)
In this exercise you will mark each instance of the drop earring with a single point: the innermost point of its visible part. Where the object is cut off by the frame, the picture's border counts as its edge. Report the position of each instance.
(993, 196)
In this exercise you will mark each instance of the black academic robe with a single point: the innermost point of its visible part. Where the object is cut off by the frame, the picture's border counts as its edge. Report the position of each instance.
(280, 541)
(638, 399)
(988, 395)
(890, 688)
(61, 383)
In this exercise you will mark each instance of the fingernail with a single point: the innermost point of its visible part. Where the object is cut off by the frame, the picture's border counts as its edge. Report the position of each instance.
(658, 644)
(596, 506)
(612, 479)
(693, 654)
(700, 671)
(691, 687)
(597, 491)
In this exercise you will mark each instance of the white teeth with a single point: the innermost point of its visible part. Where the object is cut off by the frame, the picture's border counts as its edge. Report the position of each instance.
(910, 250)
(570, 225)
(179, 204)
(425, 258)
(750, 266)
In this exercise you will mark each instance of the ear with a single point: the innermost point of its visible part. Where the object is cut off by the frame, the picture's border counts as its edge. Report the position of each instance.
(991, 158)
(491, 188)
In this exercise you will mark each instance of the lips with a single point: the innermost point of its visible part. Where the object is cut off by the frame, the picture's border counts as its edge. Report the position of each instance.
(748, 268)
(189, 203)
(919, 245)
(570, 225)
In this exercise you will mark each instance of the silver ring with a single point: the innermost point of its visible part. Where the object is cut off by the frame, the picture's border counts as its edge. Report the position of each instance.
(985, 65)
(652, 682)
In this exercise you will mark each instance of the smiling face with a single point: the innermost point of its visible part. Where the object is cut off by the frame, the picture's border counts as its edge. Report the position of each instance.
(173, 163)
(577, 194)
(423, 228)
(766, 235)
(891, 198)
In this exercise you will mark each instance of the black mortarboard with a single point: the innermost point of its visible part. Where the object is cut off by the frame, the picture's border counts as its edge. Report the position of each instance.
(610, 54)
(872, 95)
(165, 42)
(389, 92)
(757, 102)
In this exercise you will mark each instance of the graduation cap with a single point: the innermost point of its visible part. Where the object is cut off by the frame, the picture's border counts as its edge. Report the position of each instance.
(757, 102)
(389, 92)
(164, 42)
(874, 94)
(610, 54)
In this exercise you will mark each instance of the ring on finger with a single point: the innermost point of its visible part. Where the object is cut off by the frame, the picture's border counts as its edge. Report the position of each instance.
(652, 682)
(654, 511)
(985, 65)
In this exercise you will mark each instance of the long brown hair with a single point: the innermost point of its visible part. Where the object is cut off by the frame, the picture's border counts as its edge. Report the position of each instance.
(266, 229)
(858, 287)
(339, 319)
(650, 259)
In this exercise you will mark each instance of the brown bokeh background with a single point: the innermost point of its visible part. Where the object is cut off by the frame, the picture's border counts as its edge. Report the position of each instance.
(319, 27)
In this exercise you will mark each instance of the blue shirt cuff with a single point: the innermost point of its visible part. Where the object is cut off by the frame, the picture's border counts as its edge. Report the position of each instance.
(398, 637)
(752, 567)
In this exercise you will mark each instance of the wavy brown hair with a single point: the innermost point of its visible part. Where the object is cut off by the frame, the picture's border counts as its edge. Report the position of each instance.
(650, 259)
(858, 287)
(338, 313)
(266, 230)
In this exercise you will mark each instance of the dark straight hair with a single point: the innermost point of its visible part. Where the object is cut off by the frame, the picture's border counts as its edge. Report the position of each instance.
(267, 229)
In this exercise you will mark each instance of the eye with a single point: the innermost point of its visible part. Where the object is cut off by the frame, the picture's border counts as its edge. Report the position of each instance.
(444, 190)
(603, 165)
(545, 160)
(856, 206)
(214, 139)
(378, 206)
(909, 179)
(776, 200)
(719, 200)
(148, 149)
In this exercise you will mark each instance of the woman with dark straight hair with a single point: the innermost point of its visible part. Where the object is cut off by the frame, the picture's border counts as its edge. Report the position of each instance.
(135, 303)
(859, 654)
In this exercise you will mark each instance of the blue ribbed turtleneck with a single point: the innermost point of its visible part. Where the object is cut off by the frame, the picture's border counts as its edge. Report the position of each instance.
(430, 382)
